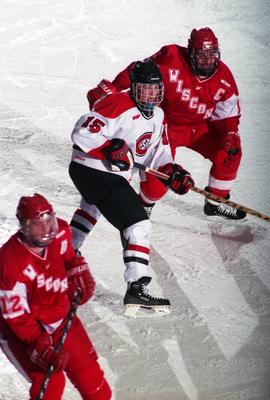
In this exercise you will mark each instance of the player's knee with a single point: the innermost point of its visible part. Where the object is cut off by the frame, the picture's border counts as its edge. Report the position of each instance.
(90, 382)
(152, 188)
(138, 232)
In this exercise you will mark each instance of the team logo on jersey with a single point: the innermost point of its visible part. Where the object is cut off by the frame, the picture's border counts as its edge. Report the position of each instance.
(52, 284)
(143, 143)
(30, 272)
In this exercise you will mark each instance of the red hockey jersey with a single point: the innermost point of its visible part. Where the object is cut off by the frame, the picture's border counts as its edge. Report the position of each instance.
(188, 99)
(33, 289)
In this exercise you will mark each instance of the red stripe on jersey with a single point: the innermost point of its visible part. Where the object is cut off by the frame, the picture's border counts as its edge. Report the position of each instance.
(135, 247)
(85, 215)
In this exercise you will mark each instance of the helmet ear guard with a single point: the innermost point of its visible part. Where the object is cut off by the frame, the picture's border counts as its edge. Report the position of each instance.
(146, 87)
(203, 51)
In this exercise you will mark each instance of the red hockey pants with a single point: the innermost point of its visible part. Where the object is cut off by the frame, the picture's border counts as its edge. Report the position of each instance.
(83, 368)
(202, 140)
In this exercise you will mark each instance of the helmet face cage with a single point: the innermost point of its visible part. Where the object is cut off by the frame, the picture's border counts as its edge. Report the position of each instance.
(37, 219)
(40, 231)
(147, 96)
(204, 51)
(147, 89)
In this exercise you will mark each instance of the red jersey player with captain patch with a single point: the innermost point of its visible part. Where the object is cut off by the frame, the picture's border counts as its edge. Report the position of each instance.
(39, 274)
(201, 105)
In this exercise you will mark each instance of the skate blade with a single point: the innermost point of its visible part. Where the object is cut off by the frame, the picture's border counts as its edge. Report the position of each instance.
(137, 310)
(223, 218)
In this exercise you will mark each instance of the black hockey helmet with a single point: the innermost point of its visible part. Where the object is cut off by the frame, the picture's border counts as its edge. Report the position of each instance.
(146, 86)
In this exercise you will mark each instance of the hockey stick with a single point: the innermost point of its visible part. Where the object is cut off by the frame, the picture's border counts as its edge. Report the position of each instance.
(59, 346)
(205, 193)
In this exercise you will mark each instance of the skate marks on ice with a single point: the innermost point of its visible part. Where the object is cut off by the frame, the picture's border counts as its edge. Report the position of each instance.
(219, 337)
(14, 386)
(223, 270)
(207, 349)
(33, 160)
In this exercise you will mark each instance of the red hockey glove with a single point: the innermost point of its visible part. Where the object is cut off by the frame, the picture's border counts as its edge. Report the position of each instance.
(119, 155)
(80, 278)
(180, 180)
(43, 354)
(103, 89)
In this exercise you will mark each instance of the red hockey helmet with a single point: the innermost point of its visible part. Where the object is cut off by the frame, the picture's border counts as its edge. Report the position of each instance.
(37, 219)
(204, 51)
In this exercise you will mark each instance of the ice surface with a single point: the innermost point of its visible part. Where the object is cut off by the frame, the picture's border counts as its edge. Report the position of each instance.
(215, 344)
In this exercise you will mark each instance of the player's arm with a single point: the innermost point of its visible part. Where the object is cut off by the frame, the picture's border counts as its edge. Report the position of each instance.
(91, 134)
(122, 80)
(39, 344)
(78, 272)
(16, 311)
(95, 135)
(99, 92)
(225, 121)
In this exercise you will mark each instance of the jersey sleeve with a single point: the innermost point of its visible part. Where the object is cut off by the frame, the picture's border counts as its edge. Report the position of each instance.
(64, 238)
(122, 80)
(91, 134)
(227, 113)
(162, 55)
(15, 309)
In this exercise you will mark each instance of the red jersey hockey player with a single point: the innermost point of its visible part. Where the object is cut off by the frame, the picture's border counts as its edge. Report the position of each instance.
(121, 128)
(201, 105)
(39, 272)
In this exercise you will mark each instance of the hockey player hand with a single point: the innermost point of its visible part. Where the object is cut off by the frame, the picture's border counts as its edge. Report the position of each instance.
(119, 155)
(80, 278)
(180, 180)
(44, 354)
(103, 89)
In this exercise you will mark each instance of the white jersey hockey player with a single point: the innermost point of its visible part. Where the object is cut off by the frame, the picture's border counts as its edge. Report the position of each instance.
(122, 128)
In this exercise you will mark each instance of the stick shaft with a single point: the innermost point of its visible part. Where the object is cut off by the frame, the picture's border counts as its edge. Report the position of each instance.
(60, 343)
(206, 194)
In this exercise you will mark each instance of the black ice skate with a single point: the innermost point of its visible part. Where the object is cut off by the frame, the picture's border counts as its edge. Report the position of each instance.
(213, 208)
(138, 301)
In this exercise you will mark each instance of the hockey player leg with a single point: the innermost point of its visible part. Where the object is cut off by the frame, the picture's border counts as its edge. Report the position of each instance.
(221, 179)
(124, 210)
(55, 387)
(89, 380)
(83, 221)
(151, 190)
(16, 353)
(138, 301)
(83, 368)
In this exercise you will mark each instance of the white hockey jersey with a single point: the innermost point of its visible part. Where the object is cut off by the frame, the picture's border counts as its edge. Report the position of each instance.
(117, 116)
